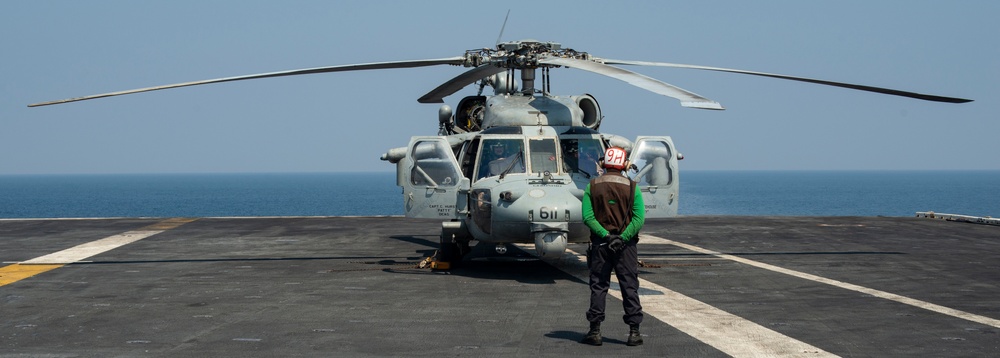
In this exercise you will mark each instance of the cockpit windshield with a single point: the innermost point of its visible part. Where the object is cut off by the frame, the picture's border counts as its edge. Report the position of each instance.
(499, 155)
(502, 156)
(543, 156)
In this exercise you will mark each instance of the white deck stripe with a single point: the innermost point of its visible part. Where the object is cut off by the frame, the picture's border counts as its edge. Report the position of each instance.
(82, 251)
(726, 332)
(648, 239)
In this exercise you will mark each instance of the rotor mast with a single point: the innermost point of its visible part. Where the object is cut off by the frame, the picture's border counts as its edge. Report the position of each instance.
(528, 81)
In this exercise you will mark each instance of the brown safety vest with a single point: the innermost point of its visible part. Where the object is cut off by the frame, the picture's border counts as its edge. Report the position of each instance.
(611, 196)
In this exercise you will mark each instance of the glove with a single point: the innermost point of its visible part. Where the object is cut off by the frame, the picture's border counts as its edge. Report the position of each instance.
(615, 242)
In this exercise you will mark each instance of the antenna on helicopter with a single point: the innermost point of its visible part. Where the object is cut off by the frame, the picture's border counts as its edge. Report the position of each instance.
(493, 79)
(503, 27)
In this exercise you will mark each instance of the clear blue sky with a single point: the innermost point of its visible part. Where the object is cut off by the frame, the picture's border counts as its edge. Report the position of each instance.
(345, 121)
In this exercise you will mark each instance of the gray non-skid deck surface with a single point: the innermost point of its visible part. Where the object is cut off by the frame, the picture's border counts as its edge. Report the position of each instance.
(288, 287)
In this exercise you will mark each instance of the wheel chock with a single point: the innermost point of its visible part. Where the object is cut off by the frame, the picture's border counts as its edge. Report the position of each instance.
(440, 265)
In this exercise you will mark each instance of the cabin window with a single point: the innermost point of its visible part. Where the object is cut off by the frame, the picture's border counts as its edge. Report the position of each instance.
(433, 165)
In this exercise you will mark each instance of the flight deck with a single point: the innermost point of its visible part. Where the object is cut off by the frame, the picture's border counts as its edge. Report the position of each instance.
(712, 286)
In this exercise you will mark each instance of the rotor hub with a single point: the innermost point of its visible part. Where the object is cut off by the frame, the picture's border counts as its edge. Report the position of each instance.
(522, 54)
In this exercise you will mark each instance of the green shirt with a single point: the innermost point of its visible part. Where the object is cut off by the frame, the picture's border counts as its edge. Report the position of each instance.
(638, 216)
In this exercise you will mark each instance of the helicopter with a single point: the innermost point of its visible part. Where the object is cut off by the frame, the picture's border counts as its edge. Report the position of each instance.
(511, 166)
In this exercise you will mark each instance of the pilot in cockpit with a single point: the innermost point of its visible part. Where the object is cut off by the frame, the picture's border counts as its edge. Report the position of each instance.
(500, 155)
(580, 158)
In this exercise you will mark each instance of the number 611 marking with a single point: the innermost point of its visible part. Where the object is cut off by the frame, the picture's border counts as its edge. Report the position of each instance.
(548, 214)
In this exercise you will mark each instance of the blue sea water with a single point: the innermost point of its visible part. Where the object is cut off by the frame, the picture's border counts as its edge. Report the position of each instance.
(199, 195)
(786, 193)
(840, 193)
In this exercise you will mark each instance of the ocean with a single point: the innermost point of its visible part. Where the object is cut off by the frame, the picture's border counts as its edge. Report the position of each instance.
(782, 193)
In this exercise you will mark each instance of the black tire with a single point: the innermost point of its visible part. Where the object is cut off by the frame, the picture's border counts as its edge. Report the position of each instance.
(452, 252)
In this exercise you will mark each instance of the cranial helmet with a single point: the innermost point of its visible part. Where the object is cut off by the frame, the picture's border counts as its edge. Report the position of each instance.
(614, 157)
(498, 145)
(571, 149)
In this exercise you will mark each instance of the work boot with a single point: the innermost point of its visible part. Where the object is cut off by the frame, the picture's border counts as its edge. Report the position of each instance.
(594, 336)
(634, 338)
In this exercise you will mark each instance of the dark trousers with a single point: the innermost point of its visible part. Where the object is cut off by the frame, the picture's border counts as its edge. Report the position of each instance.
(602, 261)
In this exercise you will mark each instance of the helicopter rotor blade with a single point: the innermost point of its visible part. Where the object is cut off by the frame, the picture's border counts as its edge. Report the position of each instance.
(888, 91)
(687, 98)
(446, 89)
(354, 67)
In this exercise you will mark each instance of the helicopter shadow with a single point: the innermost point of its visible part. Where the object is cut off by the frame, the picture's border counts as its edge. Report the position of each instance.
(483, 262)
(383, 260)
(432, 245)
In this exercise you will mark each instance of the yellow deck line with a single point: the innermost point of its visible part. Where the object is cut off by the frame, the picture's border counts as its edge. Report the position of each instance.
(17, 272)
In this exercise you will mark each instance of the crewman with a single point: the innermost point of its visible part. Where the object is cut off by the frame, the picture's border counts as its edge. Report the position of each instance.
(614, 212)
(497, 152)
(501, 154)
(575, 162)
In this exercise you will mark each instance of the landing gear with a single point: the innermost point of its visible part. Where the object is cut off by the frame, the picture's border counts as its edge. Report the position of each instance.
(452, 249)
(454, 241)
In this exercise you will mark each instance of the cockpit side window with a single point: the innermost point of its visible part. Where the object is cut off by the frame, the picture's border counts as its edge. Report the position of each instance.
(581, 155)
(467, 159)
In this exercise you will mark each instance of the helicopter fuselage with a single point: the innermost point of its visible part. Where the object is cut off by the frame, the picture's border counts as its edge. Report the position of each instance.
(522, 179)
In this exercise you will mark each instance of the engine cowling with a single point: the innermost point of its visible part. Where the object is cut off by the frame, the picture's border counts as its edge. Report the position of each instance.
(514, 110)
(591, 111)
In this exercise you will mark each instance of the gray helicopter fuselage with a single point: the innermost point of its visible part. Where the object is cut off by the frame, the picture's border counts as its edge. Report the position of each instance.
(522, 179)
(536, 196)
